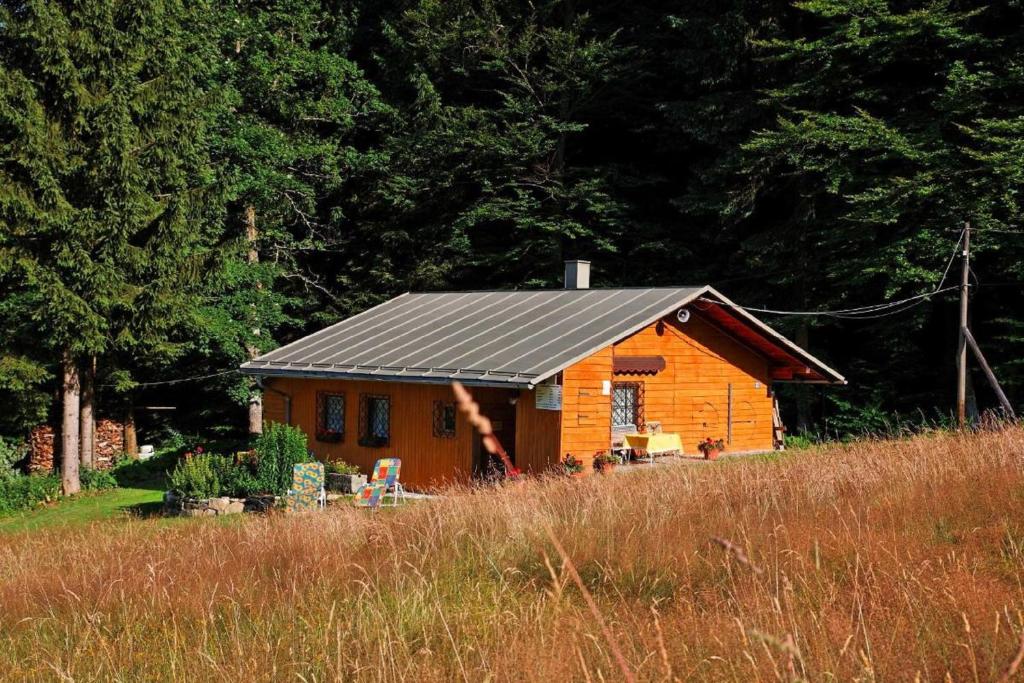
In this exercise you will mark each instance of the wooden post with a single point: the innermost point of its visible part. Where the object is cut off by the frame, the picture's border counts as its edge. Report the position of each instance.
(71, 398)
(961, 355)
(1003, 401)
(728, 418)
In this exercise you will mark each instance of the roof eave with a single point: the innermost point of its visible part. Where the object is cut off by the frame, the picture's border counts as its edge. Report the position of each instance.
(306, 373)
(830, 375)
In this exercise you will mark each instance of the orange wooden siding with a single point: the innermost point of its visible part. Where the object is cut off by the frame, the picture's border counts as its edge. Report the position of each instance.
(427, 460)
(586, 411)
(690, 396)
(537, 435)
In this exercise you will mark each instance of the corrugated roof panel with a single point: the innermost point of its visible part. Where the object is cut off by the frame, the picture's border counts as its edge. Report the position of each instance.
(509, 338)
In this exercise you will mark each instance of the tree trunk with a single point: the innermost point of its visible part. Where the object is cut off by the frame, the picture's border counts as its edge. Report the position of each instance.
(131, 438)
(255, 395)
(69, 427)
(88, 416)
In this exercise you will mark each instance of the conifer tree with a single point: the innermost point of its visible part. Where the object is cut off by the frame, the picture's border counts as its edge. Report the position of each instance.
(296, 103)
(103, 179)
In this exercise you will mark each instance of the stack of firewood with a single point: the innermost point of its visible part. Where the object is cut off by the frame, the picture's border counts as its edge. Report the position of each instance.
(43, 443)
(41, 447)
(109, 442)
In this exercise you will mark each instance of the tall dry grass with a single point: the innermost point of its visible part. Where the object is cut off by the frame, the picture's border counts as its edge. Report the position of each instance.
(874, 561)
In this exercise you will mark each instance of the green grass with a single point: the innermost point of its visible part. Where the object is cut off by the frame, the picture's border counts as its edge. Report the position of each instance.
(140, 491)
(85, 508)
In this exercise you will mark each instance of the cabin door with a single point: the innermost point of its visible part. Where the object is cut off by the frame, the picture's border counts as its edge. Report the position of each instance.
(503, 422)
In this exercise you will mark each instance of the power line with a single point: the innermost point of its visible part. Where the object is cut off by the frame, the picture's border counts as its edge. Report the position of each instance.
(862, 313)
(875, 310)
(179, 380)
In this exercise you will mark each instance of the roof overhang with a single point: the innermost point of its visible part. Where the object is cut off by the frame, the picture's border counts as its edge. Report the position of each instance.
(258, 369)
(788, 362)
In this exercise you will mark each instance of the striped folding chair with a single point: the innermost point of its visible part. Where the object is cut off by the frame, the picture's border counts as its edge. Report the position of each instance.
(307, 491)
(386, 470)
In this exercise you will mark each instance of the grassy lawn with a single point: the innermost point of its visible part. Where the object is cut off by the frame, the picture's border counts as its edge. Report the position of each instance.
(140, 491)
(85, 508)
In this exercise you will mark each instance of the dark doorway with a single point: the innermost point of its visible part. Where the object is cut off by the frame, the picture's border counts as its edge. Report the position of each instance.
(503, 422)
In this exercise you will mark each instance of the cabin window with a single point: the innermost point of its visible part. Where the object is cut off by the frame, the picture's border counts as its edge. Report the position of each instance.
(627, 405)
(330, 411)
(444, 419)
(374, 420)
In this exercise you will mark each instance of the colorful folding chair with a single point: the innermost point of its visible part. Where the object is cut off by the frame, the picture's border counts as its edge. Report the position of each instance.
(307, 491)
(370, 495)
(387, 470)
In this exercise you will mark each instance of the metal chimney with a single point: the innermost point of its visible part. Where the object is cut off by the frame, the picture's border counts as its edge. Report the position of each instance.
(577, 274)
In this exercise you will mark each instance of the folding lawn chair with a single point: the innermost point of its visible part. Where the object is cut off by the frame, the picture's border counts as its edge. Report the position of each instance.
(386, 470)
(307, 491)
(370, 495)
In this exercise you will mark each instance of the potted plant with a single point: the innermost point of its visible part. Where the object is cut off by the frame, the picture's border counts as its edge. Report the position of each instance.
(605, 462)
(343, 477)
(711, 447)
(572, 466)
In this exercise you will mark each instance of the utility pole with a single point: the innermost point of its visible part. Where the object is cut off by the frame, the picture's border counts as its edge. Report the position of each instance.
(961, 354)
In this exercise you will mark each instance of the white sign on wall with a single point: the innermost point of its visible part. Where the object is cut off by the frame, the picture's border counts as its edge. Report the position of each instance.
(548, 396)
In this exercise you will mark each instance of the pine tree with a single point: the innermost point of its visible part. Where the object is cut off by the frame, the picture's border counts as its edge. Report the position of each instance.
(104, 196)
(488, 182)
(286, 144)
(862, 182)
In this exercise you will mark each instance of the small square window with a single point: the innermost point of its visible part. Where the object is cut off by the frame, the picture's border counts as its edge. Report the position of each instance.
(444, 419)
(374, 420)
(330, 421)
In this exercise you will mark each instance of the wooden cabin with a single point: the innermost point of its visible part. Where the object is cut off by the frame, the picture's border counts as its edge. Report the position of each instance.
(558, 372)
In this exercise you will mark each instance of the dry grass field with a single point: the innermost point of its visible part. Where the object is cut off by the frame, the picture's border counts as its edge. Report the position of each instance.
(888, 560)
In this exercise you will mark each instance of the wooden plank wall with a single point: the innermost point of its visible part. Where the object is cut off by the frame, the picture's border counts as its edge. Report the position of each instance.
(427, 461)
(691, 395)
(273, 404)
(537, 435)
(586, 412)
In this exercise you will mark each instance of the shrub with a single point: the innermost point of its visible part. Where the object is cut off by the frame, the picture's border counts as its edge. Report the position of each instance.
(11, 453)
(197, 476)
(278, 449)
(97, 480)
(236, 478)
(26, 491)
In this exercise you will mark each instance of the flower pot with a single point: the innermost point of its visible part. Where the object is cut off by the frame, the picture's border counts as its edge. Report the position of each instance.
(577, 475)
(711, 454)
(606, 467)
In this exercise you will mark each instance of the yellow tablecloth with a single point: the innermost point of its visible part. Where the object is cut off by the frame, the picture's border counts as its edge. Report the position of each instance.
(655, 443)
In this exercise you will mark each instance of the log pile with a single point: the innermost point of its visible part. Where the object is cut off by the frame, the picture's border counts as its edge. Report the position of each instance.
(43, 444)
(41, 447)
(109, 442)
